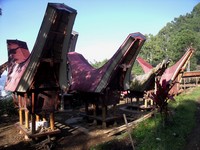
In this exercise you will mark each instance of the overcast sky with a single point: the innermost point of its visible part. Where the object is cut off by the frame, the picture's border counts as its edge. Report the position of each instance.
(102, 25)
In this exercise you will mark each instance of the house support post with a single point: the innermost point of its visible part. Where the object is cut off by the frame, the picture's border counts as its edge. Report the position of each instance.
(20, 116)
(95, 113)
(26, 118)
(103, 116)
(114, 109)
(20, 110)
(33, 118)
(52, 121)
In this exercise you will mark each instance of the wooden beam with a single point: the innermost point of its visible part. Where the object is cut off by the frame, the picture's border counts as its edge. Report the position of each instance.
(131, 125)
(191, 74)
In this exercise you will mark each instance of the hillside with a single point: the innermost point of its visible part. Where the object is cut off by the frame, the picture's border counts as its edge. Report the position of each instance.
(173, 39)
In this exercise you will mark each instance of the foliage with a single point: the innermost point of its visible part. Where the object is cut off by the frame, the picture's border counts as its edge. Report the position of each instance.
(161, 96)
(98, 64)
(137, 69)
(7, 106)
(173, 39)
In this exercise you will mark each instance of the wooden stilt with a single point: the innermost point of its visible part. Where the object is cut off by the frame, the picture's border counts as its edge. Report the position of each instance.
(26, 112)
(152, 102)
(95, 113)
(184, 83)
(27, 119)
(114, 109)
(52, 121)
(33, 123)
(137, 100)
(19, 101)
(62, 104)
(37, 118)
(103, 116)
(33, 113)
(196, 80)
(20, 110)
(20, 117)
(145, 103)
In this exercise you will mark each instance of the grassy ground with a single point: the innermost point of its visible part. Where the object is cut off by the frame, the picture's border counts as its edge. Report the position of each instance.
(153, 135)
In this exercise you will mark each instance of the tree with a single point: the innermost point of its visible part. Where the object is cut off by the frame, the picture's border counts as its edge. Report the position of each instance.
(98, 64)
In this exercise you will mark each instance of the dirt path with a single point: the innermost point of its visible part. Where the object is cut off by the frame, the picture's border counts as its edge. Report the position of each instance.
(73, 139)
(80, 136)
(193, 139)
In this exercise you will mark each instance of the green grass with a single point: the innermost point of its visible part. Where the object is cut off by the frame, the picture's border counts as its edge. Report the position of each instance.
(152, 135)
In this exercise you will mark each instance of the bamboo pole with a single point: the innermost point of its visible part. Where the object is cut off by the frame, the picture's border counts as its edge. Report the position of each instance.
(129, 131)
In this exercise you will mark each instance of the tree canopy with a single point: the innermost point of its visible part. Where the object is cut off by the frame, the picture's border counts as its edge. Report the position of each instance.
(173, 39)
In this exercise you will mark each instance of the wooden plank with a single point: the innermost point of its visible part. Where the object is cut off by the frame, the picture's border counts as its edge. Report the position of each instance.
(191, 74)
(131, 125)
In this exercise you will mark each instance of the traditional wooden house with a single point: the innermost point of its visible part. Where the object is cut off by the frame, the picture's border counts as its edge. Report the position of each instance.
(102, 86)
(37, 78)
(173, 74)
(140, 84)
